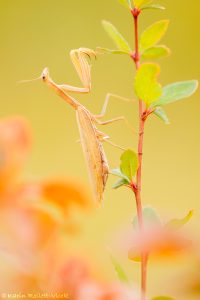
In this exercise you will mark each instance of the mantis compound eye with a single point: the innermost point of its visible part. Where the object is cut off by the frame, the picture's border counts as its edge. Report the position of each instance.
(45, 74)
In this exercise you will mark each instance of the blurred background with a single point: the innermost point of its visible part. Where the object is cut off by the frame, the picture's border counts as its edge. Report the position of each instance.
(37, 34)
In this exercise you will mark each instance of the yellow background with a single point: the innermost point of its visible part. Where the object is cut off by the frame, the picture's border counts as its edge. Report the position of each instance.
(35, 34)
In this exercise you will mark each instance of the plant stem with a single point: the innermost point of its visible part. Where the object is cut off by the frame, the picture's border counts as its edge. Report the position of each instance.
(136, 38)
(144, 257)
(139, 204)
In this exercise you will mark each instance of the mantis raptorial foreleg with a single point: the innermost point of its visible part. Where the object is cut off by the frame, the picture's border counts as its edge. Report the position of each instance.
(79, 60)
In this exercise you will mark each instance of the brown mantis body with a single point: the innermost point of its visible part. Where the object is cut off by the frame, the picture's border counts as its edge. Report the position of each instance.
(91, 138)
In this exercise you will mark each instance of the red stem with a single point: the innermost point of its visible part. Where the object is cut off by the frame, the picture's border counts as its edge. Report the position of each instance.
(144, 258)
(136, 37)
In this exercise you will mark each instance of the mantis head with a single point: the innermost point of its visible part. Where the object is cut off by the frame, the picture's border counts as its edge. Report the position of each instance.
(45, 74)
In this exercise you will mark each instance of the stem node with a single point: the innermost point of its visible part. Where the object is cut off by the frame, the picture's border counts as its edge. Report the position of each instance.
(134, 187)
(135, 12)
(136, 57)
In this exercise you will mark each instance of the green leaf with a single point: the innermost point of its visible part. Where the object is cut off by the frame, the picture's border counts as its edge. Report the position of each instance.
(126, 3)
(134, 255)
(153, 34)
(129, 164)
(110, 51)
(119, 270)
(117, 38)
(155, 52)
(178, 223)
(145, 84)
(139, 3)
(160, 113)
(150, 217)
(162, 298)
(177, 91)
(117, 172)
(123, 181)
(153, 6)
(120, 183)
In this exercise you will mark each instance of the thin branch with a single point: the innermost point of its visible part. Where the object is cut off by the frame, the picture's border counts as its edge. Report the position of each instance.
(136, 57)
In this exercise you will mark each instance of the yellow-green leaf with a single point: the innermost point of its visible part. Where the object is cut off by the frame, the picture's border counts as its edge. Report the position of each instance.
(153, 6)
(153, 34)
(134, 255)
(129, 164)
(177, 91)
(120, 183)
(117, 172)
(100, 50)
(117, 38)
(126, 3)
(119, 270)
(139, 3)
(155, 52)
(178, 223)
(145, 84)
(124, 180)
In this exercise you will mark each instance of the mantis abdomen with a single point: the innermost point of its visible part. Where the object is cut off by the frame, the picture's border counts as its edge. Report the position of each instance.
(93, 151)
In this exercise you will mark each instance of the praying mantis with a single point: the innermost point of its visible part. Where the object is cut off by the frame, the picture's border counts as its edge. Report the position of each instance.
(90, 137)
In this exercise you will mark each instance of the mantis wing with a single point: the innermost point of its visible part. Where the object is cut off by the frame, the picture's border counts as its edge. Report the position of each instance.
(93, 152)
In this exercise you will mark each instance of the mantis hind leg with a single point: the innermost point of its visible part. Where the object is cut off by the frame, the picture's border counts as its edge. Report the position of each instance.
(115, 145)
(105, 138)
(121, 118)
